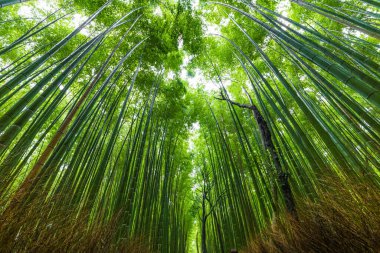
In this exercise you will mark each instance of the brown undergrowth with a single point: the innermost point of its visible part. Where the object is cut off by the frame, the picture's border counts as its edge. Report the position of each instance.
(37, 228)
(346, 218)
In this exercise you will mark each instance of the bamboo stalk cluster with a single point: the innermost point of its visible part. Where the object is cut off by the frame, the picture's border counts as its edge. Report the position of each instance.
(84, 118)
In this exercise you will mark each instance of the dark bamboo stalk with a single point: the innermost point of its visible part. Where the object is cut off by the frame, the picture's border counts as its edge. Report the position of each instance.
(266, 138)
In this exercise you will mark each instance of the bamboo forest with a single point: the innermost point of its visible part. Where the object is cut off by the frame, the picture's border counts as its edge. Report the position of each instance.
(190, 126)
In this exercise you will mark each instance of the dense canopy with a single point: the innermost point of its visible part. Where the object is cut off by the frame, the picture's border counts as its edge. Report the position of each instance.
(181, 125)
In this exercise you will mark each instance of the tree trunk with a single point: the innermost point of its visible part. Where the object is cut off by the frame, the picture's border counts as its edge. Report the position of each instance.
(204, 219)
(282, 176)
(266, 138)
(204, 248)
(219, 231)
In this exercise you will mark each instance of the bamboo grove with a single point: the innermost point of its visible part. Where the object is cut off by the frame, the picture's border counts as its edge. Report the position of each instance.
(97, 119)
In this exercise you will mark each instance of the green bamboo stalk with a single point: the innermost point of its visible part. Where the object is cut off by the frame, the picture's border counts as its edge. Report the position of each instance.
(372, 95)
(4, 3)
(343, 19)
(7, 87)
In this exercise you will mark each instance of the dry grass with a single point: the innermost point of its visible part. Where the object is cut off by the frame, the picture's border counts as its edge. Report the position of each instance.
(35, 228)
(346, 219)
